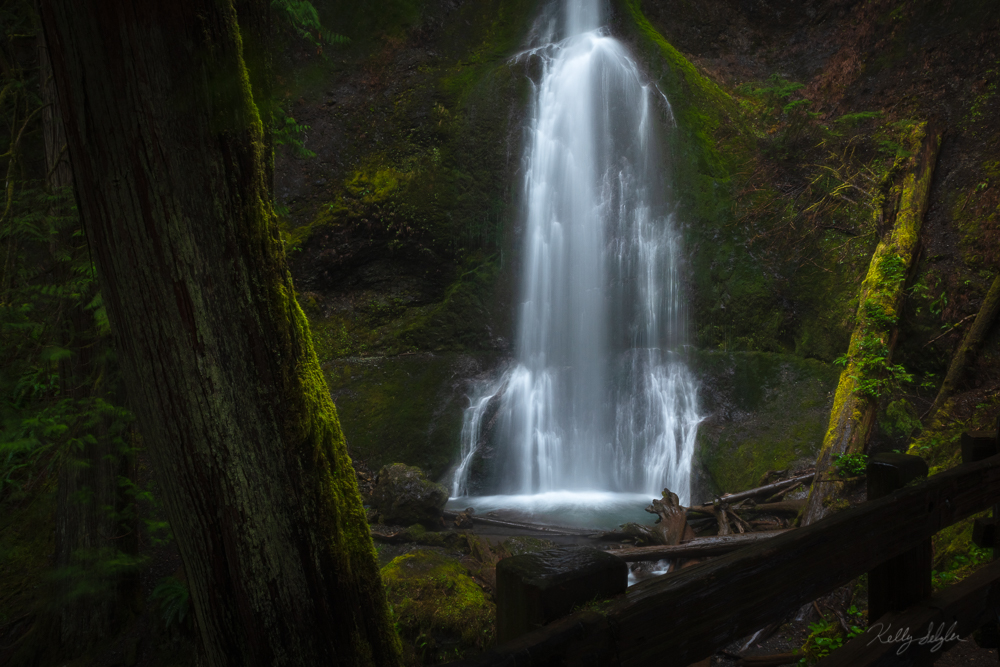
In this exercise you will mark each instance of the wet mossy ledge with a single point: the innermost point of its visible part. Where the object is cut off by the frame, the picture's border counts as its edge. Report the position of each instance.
(763, 411)
(405, 408)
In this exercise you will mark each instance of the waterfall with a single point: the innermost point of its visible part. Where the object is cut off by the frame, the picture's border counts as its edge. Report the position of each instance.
(598, 397)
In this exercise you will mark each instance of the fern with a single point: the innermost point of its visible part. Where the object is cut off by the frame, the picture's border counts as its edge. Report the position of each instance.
(302, 16)
(173, 596)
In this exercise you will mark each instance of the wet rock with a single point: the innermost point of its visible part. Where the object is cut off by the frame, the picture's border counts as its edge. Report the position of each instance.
(403, 496)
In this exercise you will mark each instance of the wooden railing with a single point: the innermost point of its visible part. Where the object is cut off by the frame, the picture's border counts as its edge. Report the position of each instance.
(680, 618)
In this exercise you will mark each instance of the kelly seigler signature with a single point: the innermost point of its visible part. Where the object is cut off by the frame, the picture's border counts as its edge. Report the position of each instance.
(903, 637)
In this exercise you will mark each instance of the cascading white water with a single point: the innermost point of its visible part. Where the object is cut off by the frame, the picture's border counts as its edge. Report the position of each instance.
(598, 399)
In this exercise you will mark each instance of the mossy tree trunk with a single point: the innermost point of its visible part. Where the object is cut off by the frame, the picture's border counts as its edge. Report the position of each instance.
(167, 149)
(869, 372)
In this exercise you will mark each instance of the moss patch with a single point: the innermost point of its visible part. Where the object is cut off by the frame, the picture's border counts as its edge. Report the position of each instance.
(441, 613)
(764, 411)
(406, 408)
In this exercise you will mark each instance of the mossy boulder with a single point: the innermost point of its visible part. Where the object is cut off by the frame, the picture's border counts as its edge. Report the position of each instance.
(441, 613)
(403, 497)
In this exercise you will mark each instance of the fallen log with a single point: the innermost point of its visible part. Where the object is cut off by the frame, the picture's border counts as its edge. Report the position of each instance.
(490, 521)
(969, 346)
(770, 489)
(780, 507)
(880, 303)
(696, 547)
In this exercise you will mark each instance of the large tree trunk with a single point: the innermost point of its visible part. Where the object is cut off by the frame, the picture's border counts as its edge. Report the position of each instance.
(879, 306)
(167, 150)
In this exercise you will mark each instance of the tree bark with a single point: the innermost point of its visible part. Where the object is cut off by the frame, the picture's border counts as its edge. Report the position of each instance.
(853, 413)
(167, 149)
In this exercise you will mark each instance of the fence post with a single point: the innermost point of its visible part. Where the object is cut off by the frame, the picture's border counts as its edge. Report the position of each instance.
(904, 579)
(976, 446)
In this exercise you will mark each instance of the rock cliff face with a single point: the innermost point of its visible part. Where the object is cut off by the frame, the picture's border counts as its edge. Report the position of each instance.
(403, 229)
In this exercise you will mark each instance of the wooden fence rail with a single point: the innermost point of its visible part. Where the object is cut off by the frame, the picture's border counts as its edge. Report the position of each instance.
(683, 617)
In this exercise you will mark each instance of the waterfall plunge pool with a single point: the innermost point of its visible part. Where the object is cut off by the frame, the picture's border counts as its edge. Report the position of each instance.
(597, 510)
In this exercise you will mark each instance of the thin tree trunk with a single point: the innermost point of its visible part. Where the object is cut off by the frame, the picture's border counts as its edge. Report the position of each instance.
(969, 346)
(167, 149)
(59, 174)
(881, 300)
(88, 532)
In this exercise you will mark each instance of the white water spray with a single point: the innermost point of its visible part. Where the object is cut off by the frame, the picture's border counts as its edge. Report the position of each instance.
(597, 400)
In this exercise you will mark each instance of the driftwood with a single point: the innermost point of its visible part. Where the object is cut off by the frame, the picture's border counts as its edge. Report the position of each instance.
(698, 547)
(670, 527)
(783, 485)
(671, 519)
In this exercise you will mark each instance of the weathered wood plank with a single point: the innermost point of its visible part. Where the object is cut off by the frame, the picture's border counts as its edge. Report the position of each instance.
(954, 612)
(682, 617)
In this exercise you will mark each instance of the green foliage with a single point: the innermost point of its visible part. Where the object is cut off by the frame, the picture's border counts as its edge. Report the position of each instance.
(876, 377)
(900, 420)
(93, 574)
(875, 314)
(854, 119)
(850, 465)
(288, 132)
(892, 269)
(825, 637)
(960, 565)
(781, 118)
(301, 16)
(172, 596)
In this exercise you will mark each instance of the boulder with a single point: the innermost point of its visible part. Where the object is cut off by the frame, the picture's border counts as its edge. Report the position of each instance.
(403, 497)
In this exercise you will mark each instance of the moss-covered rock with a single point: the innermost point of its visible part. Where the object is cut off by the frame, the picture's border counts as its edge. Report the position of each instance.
(441, 613)
(403, 496)
(764, 411)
